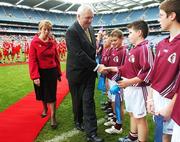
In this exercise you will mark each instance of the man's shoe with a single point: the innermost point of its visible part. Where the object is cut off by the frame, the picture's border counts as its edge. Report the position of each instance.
(126, 139)
(82, 126)
(79, 126)
(94, 138)
(113, 130)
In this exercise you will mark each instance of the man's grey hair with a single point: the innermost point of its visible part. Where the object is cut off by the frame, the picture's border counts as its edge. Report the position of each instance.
(83, 8)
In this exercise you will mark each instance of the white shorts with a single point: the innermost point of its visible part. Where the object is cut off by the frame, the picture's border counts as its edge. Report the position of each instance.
(134, 98)
(111, 96)
(176, 133)
(161, 102)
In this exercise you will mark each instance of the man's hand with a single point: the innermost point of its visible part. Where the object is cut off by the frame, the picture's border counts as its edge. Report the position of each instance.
(37, 82)
(59, 78)
(102, 69)
(112, 69)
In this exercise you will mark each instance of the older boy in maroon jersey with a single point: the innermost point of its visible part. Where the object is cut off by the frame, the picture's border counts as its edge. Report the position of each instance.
(165, 76)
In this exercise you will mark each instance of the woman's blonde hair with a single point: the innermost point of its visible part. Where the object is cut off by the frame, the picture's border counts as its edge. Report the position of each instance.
(45, 23)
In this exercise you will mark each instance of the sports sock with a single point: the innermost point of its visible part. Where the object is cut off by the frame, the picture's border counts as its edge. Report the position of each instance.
(133, 136)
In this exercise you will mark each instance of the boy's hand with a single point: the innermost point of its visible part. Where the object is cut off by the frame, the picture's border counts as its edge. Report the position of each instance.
(150, 106)
(165, 112)
(124, 83)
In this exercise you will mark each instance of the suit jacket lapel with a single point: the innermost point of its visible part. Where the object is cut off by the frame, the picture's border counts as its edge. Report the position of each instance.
(81, 31)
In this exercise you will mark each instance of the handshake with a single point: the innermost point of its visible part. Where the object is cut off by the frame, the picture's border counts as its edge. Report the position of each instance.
(105, 70)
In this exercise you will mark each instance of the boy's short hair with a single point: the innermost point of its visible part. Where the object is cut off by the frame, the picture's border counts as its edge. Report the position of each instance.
(171, 6)
(45, 23)
(140, 25)
(117, 33)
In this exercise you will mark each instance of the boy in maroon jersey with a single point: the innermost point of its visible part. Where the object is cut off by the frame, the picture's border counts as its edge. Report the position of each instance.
(104, 60)
(106, 50)
(137, 66)
(165, 75)
(116, 58)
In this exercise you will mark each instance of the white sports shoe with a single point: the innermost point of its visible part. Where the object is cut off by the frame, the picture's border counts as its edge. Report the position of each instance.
(109, 123)
(113, 130)
(110, 118)
(110, 115)
(125, 139)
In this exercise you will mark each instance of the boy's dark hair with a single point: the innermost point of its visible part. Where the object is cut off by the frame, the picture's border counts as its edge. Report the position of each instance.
(117, 33)
(171, 6)
(140, 25)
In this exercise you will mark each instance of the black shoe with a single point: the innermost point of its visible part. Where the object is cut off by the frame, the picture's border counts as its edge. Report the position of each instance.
(109, 110)
(105, 103)
(79, 126)
(82, 127)
(104, 107)
(94, 138)
(43, 115)
(53, 126)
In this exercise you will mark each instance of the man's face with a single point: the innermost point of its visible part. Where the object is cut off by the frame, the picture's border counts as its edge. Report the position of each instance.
(164, 20)
(85, 19)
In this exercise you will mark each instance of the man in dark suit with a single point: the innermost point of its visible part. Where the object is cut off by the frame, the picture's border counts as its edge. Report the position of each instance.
(82, 70)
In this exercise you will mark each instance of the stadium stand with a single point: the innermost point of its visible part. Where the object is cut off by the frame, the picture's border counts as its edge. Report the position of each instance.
(15, 20)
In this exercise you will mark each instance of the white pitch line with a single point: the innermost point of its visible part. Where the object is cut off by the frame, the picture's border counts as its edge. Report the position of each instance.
(71, 133)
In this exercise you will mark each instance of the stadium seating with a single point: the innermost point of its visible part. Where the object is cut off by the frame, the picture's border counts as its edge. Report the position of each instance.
(26, 20)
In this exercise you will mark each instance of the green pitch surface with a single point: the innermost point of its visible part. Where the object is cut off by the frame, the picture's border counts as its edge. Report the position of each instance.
(15, 84)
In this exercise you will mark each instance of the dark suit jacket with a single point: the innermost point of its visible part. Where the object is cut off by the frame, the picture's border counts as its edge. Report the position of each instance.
(81, 54)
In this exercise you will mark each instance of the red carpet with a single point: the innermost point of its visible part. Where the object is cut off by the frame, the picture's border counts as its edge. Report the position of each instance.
(21, 122)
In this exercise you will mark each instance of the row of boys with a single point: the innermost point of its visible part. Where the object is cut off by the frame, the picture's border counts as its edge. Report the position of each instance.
(149, 85)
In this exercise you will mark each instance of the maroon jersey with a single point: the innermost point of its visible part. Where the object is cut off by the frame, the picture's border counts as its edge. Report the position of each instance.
(116, 58)
(105, 56)
(138, 63)
(166, 70)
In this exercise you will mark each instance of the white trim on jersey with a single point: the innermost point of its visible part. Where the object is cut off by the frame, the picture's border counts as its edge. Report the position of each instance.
(171, 86)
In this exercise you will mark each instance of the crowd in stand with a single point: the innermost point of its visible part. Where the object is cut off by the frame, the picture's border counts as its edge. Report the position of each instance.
(15, 48)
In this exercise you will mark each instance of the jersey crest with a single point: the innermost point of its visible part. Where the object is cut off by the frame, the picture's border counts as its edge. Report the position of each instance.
(172, 58)
(131, 59)
(116, 59)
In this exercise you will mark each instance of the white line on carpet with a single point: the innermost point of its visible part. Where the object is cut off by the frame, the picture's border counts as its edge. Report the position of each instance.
(71, 133)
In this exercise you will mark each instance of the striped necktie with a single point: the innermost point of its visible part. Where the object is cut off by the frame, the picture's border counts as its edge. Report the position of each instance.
(88, 35)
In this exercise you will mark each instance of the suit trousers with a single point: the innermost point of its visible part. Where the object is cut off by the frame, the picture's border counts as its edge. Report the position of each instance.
(84, 105)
